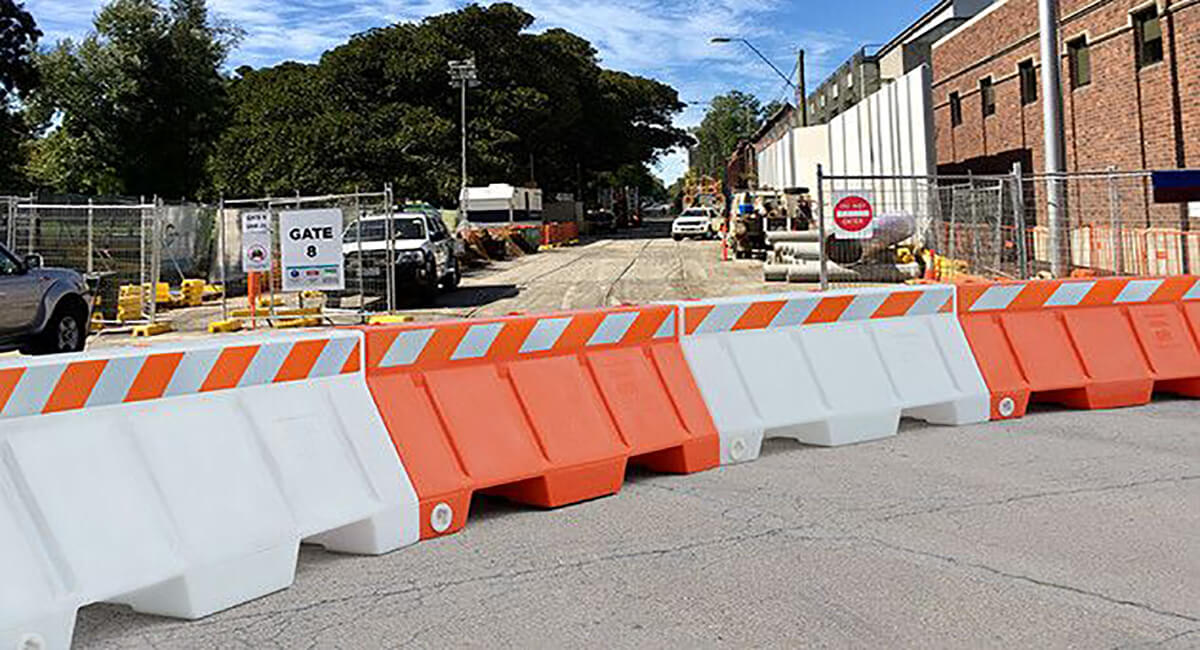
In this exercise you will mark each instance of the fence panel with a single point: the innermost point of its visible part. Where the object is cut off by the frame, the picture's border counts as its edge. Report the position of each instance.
(369, 287)
(945, 227)
(117, 243)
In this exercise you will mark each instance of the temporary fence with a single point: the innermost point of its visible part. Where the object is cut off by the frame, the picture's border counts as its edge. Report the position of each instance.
(991, 226)
(119, 243)
(368, 230)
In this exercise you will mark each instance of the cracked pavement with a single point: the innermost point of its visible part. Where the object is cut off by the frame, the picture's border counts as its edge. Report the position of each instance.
(1066, 528)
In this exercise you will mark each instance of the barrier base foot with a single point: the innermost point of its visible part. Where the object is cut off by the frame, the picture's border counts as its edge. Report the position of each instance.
(210, 589)
(445, 515)
(42, 633)
(380, 534)
(567, 486)
(741, 446)
(692, 456)
(1184, 387)
(968, 410)
(1107, 395)
(843, 430)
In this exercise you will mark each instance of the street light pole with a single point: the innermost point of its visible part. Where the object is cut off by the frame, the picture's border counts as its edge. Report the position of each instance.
(463, 74)
(1052, 130)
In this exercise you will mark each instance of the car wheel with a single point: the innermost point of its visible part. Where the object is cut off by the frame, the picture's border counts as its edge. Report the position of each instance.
(677, 237)
(66, 331)
(429, 288)
(450, 282)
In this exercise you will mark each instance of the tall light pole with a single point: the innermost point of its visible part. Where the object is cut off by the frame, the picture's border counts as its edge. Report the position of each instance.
(1052, 134)
(464, 74)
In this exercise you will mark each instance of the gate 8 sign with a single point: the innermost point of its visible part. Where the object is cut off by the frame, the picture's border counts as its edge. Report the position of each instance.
(311, 250)
(853, 215)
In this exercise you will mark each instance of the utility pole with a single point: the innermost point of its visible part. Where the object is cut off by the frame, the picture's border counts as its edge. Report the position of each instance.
(463, 75)
(801, 92)
(1052, 129)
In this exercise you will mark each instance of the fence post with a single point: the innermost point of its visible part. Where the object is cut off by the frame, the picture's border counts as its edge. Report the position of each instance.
(155, 257)
(388, 200)
(824, 272)
(1018, 200)
(91, 216)
(221, 256)
(1114, 223)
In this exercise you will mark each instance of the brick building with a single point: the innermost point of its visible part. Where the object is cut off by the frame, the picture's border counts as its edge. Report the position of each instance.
(1131, 87)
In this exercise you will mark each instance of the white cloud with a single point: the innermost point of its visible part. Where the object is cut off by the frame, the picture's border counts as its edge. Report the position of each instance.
(663, 39)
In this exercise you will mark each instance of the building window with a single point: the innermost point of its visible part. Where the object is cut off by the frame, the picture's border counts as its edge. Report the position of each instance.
(1148, 35)
(834, 88)
(822, 100)
(1080, 59)
(987, 96)
(850, 79)
(1029, 82)
(955, 109)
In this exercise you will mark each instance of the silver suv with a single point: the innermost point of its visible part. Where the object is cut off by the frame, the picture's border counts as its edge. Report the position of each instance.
(42, 310)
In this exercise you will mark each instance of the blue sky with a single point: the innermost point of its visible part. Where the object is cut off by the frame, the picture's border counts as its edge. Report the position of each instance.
(663, 39)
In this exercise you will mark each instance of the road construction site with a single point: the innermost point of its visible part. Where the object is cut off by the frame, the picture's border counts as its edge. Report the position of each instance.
(636, 265)
(1064, 528)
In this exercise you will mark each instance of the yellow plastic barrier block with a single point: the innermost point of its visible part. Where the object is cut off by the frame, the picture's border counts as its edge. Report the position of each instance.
(244, 312)
(388, 319)
(298, 322)
(153, 329)
(225, 326)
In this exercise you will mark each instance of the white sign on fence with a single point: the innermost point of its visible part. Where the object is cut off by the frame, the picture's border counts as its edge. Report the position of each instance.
(853, 215)
(256, 242)
(310, 245)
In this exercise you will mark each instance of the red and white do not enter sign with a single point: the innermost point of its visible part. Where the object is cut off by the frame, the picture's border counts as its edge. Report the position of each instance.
(853, 216)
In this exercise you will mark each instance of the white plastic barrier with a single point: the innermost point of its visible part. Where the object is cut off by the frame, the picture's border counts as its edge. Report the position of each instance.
(181, 480)
(830, 368)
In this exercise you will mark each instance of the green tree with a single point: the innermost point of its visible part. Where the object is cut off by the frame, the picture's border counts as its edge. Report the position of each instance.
(18, 76)
(380, 108)
(136, 106)
(731, 117)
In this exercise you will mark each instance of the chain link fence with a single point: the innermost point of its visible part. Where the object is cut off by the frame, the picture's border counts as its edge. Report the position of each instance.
(994, 226)
(368, 245)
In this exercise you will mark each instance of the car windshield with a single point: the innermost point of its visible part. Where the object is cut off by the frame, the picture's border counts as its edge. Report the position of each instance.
(376, 229)
(694, 213)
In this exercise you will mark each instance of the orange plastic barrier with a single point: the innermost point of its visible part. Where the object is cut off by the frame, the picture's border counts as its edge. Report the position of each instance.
(1102, 343)
(545, 410)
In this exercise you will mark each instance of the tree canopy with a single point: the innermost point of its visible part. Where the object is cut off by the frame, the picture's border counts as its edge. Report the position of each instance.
(730, 117)
(135, 107)
(18, 75)
(381, 108)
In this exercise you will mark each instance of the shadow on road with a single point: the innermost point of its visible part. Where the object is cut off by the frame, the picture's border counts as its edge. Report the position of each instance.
(477, 295)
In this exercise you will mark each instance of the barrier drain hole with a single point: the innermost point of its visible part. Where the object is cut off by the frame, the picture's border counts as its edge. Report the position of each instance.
(1007, 407)
(441, 518)
(737, 450)
(32, 642)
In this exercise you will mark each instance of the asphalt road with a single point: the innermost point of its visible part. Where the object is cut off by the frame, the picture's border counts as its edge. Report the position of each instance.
(1064, 529)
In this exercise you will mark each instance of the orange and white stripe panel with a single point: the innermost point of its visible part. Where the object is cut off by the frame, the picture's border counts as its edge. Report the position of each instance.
(515, 337)
(1035, 295)
(798, 309)
(50, 385)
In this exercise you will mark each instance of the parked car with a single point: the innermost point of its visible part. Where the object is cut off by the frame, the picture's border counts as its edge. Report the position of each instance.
(42, 310)
(600, 220)
(694, 222)
(425, 253)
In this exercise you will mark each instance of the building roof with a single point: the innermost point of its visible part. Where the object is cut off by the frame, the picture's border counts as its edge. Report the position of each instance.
(783, 113)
